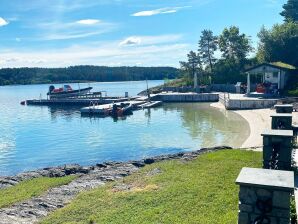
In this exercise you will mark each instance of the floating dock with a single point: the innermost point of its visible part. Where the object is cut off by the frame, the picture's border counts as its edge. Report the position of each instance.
(75, 101)
(151, 104)
(105, 108)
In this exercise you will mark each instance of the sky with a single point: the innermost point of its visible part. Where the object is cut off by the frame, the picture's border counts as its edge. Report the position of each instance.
(61, 33)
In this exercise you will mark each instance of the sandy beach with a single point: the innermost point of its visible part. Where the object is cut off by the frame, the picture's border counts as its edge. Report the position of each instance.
(258, 120)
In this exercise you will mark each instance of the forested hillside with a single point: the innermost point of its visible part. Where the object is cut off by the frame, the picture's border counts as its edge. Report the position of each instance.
(83, 73)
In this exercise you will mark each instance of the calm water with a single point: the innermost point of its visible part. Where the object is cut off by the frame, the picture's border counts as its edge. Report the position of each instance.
(34, 137)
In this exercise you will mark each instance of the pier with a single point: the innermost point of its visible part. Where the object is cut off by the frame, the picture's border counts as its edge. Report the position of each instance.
(163, 97)
(75, 101)
(229, 100)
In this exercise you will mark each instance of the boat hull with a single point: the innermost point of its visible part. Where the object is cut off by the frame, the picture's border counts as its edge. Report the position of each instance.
(71, 93)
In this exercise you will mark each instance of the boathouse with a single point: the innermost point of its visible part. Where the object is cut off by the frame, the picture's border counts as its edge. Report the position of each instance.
(273, 77)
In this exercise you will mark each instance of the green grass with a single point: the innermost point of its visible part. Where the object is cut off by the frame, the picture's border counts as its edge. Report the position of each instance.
(200, 191)
(30, 188)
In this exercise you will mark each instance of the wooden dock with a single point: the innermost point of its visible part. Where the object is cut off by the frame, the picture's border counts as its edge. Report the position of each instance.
(74, 102)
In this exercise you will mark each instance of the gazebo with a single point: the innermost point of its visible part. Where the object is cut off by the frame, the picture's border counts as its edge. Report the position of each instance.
(274, 74)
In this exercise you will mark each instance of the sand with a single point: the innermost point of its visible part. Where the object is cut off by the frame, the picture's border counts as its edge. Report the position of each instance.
(258, 120)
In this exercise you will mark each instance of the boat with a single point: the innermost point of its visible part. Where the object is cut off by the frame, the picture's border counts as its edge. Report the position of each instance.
(113, 109)
(122, 110)
(66, 91)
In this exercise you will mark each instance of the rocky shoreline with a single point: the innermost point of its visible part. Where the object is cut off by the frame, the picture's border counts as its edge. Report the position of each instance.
(89, 177)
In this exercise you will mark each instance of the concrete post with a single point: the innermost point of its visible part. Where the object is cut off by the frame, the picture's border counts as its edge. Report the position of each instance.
(281, 121)
(277, 149)
(279, 80)
(248, 84)
(264, 196)
(195, 85)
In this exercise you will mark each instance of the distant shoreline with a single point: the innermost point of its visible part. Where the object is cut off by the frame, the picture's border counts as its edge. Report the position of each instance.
(84, 73)
(77, 81)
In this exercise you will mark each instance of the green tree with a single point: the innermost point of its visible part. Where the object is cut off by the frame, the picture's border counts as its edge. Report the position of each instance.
(290, 12)
(233, 45)
(192, 66)
(194, 62)
(207, 47)
(279, 44)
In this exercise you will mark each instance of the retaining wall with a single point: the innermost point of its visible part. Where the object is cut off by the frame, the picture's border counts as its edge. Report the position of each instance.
(187, 97)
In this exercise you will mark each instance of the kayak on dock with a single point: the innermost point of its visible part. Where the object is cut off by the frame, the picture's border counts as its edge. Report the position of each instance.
(66, 91)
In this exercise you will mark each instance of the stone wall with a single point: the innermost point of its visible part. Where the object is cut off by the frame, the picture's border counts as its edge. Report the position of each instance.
(188, 97)
(263, 204)
(239, 104)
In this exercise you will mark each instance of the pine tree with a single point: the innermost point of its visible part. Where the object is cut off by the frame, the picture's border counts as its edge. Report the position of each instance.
(290, 12)
(207, 47)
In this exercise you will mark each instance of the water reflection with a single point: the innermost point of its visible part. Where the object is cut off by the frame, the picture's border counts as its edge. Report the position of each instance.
(67, 112)
(210, 124)
(33, 136)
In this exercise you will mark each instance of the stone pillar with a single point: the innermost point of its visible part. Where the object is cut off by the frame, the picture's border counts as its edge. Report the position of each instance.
(195, 81)
(264, 196)
(277, 149)
(279, 80)
(248, 84)
(284, 108)
(281, 121)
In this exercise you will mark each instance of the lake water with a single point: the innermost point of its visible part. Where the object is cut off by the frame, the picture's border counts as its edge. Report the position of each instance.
(33, 137)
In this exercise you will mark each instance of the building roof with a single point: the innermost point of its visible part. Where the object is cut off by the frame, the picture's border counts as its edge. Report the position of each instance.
(278, 65)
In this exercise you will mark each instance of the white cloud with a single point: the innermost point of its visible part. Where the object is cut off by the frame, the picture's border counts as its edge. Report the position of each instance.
(130, 41)
(88, 21)
(66, 36)
(3, 22)
(104, 53)
(73, 30)
(167, 10)
(149, 40)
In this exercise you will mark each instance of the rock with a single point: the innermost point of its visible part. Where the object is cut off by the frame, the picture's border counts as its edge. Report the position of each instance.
(149, 161)
(32, 210)
(71, 169)
(138, 163)
(100, 165)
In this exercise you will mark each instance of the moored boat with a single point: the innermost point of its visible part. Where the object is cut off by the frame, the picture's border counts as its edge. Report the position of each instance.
(66, 91)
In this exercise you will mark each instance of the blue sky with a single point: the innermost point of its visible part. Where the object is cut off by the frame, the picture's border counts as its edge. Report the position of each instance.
(59, 33)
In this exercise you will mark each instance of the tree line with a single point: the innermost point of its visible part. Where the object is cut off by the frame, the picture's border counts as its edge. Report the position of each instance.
(223, 58)
(82, 73)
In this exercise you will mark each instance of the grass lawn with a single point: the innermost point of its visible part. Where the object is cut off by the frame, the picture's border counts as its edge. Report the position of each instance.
(30, 188)
(200, 191)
